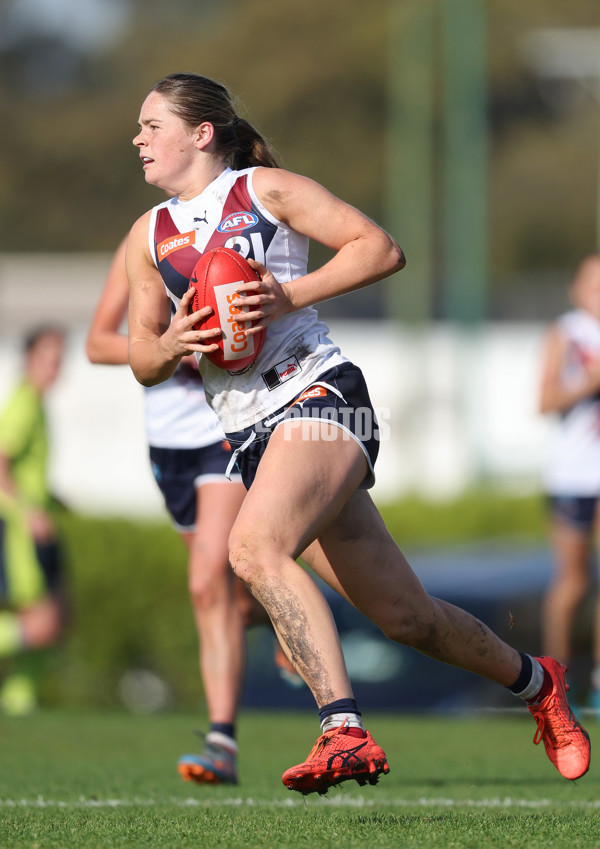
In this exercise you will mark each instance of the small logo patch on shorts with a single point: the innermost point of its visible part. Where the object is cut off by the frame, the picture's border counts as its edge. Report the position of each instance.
(282, 371)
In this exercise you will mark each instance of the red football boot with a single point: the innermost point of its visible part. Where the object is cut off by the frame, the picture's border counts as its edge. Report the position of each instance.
(337, 756)
(566, 741)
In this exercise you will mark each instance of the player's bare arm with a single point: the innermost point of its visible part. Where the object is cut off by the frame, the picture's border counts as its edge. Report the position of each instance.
(364, 252)
(156, 342)
(105, 343)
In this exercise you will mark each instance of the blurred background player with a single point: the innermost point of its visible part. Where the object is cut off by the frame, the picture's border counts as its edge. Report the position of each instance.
(570, 386)
(32, 599)
(189, 456)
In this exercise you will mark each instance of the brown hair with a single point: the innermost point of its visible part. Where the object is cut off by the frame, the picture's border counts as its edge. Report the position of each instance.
(195, 99)
(36, 334)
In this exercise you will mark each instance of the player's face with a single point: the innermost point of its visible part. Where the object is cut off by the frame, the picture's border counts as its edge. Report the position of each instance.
(166, 144)
(45, 359)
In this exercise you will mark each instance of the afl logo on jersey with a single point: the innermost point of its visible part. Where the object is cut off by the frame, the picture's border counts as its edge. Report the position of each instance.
(237, 221)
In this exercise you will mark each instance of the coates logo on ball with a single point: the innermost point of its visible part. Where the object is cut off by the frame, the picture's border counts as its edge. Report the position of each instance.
(215, 279)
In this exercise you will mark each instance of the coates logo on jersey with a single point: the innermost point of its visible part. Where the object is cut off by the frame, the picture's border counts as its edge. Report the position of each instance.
(174, 243)
(237, 221)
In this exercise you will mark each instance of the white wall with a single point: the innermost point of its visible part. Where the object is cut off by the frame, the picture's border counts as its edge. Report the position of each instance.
(460, 406)
(462, 403)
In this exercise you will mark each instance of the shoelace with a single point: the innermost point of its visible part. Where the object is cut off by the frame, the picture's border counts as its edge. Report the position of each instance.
(557, 732)
(325, 738)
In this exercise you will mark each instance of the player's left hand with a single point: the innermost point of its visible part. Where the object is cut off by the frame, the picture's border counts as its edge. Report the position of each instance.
(266, 305)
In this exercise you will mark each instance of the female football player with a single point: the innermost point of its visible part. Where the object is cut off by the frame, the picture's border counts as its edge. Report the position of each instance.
(299, 418)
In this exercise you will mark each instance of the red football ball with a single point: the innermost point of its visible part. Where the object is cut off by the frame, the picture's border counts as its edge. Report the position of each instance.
(215, 278)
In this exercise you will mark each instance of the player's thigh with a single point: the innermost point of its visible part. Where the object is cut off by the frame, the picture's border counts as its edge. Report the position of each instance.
(217, 506)
(306, 474)
(358, 557)
(209, 573)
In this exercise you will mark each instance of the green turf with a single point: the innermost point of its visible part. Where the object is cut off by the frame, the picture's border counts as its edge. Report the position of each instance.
(85, 779)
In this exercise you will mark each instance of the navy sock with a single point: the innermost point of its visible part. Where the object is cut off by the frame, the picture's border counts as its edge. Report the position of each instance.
(340, 706)
(524, 675)
(227, 728)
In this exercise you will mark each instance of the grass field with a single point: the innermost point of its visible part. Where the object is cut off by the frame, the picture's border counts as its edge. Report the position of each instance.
(108, 779)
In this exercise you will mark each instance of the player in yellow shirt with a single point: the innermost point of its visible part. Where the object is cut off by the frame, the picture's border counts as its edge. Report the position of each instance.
(31, 596)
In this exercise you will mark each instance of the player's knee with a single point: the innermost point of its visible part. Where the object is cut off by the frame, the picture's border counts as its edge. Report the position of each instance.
(209, 583)
(243, 562)
(244, 553)
(572, 589)
(255, 559)
(41, 628)
(202, 593)
(209, 575)
(579, 586)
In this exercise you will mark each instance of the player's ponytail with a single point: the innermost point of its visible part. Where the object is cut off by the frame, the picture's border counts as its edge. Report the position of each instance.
(249, 147)
(195, 99)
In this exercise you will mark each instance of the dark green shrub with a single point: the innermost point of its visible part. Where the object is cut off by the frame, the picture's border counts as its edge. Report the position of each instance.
(129, 609)
(129, 601)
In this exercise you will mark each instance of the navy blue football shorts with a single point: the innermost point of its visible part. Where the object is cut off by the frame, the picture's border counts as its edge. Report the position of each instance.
(577, 511)
(179, 472)
(339, 396)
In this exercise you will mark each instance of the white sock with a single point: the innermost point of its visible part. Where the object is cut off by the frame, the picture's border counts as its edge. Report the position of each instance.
(334, 720)
(220, 739)
(535, 684)
(596, 678)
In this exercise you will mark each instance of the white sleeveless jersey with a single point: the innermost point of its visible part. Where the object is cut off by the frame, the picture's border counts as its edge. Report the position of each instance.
(573, 466)
(297, 347)
(177, 414)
